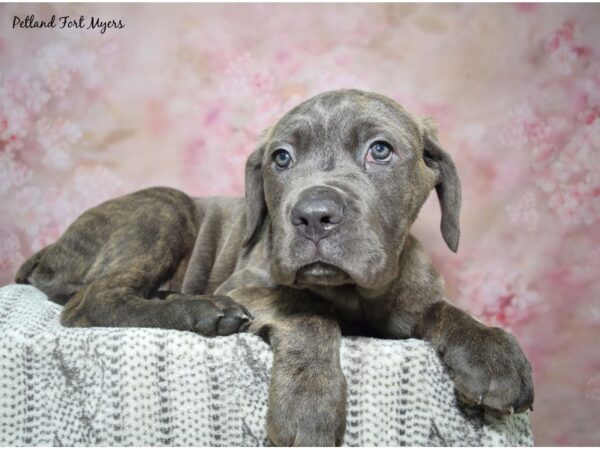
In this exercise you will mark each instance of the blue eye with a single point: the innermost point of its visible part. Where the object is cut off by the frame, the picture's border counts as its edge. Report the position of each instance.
(282, 158)
(379, 151)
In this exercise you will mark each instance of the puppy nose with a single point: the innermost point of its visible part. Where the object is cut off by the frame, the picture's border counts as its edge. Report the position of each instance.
(319, 210)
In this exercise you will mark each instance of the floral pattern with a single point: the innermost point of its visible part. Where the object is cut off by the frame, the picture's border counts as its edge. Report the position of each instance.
(180, 95)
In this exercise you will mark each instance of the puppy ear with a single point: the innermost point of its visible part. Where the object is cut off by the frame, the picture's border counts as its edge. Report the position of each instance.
(256, 206)
(447, 185)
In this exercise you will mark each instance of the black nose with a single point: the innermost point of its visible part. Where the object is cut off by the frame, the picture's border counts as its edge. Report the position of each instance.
(319, 210)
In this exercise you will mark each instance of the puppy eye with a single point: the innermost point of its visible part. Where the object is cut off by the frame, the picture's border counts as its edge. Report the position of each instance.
(282, 158)
(379, 152)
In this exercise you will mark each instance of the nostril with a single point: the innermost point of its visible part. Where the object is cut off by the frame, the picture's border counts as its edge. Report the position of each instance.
(334, 218)
(299, 219)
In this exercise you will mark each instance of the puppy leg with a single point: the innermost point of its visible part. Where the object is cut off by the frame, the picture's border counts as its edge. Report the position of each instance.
(26, 269)
(117, 301)
(486, 363)
(307, 395)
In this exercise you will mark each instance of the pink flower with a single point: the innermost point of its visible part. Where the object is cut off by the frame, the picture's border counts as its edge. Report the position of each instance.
(589, 106)
(10, 252)
(592, 391)
(12, 173)
(57, 138)
(496, 293)
(14, 122)
(204, 155)
(525, 7)
(577, 203)
(524, 127)
(94, 185)
(25, 89)
(244, 77)
(564, 48)
(523, 212)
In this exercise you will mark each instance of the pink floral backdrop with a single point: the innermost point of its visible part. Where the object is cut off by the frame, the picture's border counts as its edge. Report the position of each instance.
(180, 94)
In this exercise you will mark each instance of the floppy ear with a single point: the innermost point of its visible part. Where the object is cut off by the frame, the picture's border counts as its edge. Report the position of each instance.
(447, 185)
(256, 206)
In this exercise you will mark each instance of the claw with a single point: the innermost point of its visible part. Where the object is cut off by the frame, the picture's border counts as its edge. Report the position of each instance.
(511, 410)
(531, 408)
(479, 400)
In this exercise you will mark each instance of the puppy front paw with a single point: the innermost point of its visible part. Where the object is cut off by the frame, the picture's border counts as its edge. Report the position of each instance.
(489, 369)
(209, 315)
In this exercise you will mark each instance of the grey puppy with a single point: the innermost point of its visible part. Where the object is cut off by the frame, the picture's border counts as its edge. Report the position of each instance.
(320, 247)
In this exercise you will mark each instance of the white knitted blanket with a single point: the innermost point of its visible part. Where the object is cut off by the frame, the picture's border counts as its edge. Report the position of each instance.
(145, 387)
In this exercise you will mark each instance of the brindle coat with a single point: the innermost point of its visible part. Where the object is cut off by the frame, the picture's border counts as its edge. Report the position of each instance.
(279, 265)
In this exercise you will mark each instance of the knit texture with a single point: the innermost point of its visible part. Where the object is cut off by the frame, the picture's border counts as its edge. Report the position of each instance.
(145, 387)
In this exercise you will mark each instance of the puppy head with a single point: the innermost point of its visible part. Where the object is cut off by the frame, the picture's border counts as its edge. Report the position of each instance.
(341, 178)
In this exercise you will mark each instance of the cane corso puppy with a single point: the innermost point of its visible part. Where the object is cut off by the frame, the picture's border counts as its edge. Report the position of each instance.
(319, 247)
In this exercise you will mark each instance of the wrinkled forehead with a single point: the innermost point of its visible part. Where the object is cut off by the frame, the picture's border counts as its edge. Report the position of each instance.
(343, 116)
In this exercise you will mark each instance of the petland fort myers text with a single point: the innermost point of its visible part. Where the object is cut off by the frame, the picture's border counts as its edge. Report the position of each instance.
(68, 22)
